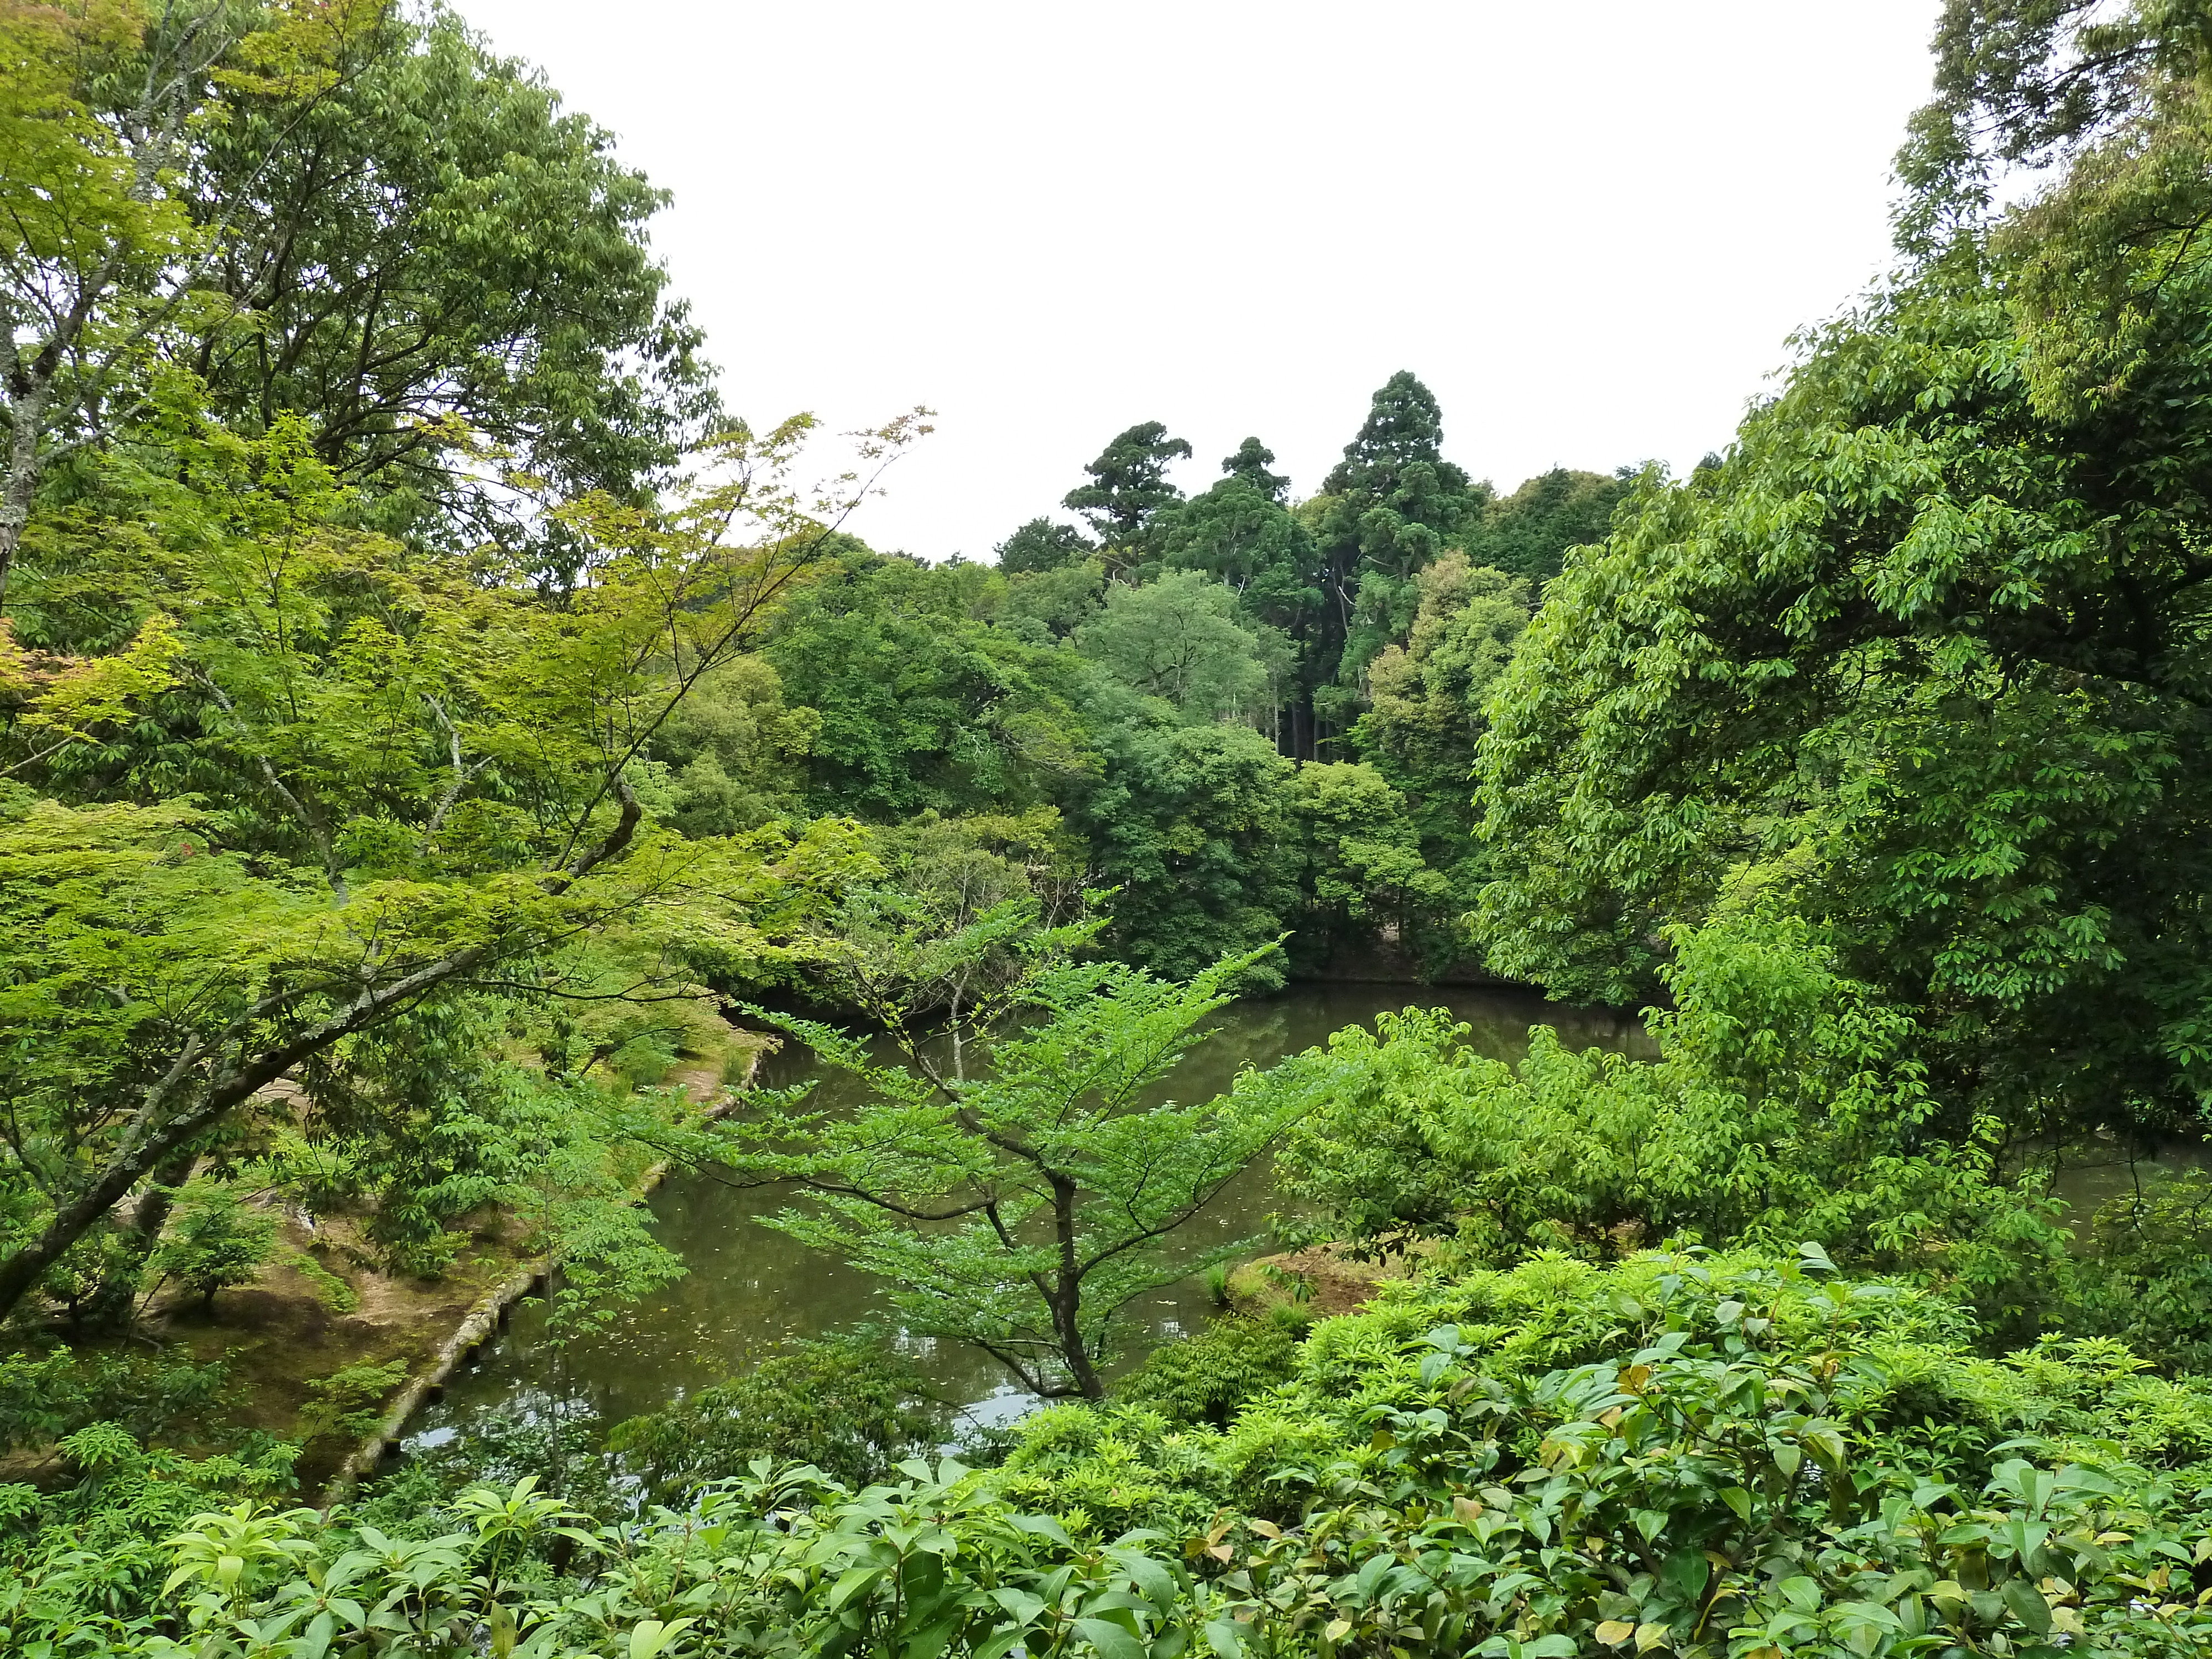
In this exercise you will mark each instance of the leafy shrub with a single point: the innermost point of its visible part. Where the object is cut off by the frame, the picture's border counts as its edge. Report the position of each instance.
(842, 1405)
(43, 1398)
(80, 1566)
(1710, 1456)
(1208, 1378)
(1785, 1104)
(215, 1241)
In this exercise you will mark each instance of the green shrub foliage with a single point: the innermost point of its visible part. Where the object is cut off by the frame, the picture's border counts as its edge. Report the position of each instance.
(1714, 1454)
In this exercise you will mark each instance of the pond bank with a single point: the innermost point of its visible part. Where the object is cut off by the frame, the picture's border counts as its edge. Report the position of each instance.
(483, 1320)
(750, 1291)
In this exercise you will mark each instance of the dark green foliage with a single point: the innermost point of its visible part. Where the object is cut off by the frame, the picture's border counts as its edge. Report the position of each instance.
(1241, 532)
(842, 1405)
(1129, 491)
(1042, 545)
(2147, 1276)
(1959, 716)
(1184, 821)
(1525, 533)
(1209, 1377)
(1425, 721)
(437, 238)
(1386, 510)
(919, 703)
(46, 1398)
(1928, 645)
(1360, 874)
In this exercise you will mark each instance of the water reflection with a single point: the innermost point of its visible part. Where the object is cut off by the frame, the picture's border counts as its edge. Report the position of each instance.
(750, 1289)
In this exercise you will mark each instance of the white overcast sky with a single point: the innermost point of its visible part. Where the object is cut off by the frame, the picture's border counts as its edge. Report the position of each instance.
(1590, 227)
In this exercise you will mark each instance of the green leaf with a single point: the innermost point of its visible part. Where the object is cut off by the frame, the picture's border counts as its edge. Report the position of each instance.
(1110, 1639)
(2027, 1605)
(854, 1581)
(650, 1638)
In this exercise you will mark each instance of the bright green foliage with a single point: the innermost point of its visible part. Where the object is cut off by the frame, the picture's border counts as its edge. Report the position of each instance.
(1936, 658)
(215, 1240)
(1020, 1193)
(1725, 1454)
(1362, 876)
(1129, 493)
(100, 260)
(1425, 716)
(1786, 1102)
(423, 776)
(80, 1566)
(1714, 1455)
(919, 703)
(842, 1406)
(734, 752)
(345, 1403)
(1933, 633)
(1526, 533)
(1180, 639)
(1047, 605)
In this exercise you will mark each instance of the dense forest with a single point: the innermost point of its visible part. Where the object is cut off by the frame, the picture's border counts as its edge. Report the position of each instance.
(445, 744)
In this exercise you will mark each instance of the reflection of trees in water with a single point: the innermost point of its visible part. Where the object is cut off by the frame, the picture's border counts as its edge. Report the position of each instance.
(750, 1290)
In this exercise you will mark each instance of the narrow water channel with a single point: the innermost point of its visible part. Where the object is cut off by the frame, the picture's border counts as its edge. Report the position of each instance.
(750, 1290)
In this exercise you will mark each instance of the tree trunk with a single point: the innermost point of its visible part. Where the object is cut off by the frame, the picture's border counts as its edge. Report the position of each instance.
(1067, 1294)
(26, 414)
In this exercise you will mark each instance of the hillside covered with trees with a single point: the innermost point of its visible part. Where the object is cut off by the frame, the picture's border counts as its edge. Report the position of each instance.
(444, 740)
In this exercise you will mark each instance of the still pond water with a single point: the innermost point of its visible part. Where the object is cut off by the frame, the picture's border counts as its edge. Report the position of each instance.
(750, 1290)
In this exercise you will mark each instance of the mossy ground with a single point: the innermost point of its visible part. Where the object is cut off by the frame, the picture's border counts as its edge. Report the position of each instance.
(291, 1328)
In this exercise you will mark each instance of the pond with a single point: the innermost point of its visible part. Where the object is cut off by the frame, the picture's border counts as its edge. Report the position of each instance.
(750, 1290)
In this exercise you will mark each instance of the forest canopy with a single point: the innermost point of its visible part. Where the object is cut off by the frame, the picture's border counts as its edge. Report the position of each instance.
(445, 745)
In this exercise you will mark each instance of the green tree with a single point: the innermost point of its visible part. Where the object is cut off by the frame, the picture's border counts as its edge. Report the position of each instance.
(1180, 639)
(1786, 1102)
(100, 256)
(431, 258)
(215, 1241)
(1242, 531)
(917, 702)
(1129, 492)
(1023, 1207)
(1925, 645)
(1042, 545)
(427, 777)
(1188, 824)
(1387, 508)
(1425, 718)
(1525, 534)
(735, 753)
(1362, 878)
